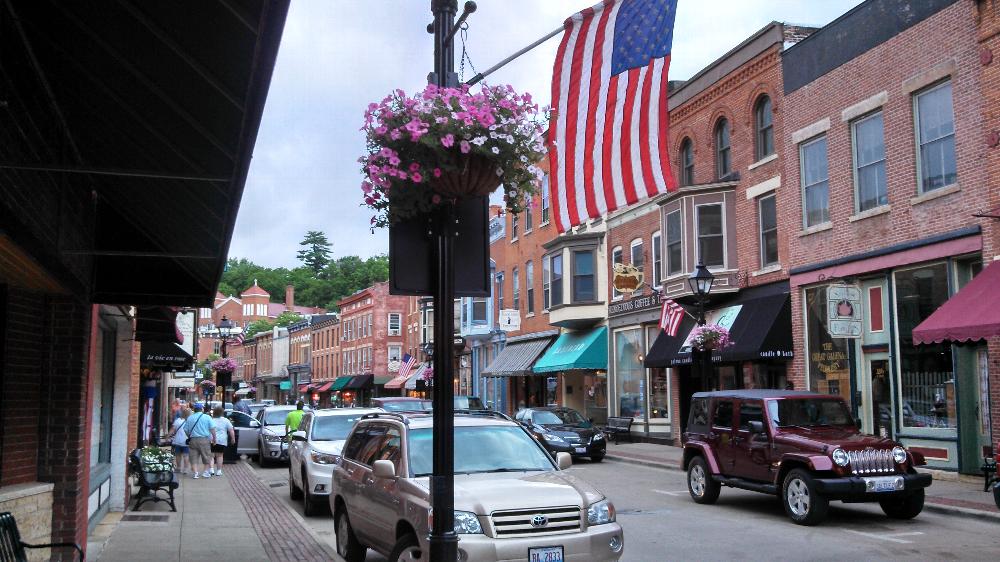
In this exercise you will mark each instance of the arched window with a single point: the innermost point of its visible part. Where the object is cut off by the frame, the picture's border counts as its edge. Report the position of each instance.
(723, 159)
(687, 162)
(764, 127)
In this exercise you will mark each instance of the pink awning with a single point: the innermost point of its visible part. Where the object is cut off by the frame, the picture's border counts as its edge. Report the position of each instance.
(971, 314)
(397, 382)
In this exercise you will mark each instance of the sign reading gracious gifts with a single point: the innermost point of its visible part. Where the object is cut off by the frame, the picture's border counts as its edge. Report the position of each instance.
(510, 319)
(843, 311)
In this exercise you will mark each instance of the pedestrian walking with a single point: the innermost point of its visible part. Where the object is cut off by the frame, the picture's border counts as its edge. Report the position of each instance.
(178, 439)
(201, 433)
(224, 434)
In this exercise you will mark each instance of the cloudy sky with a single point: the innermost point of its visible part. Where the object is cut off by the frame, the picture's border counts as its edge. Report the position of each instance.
(336, 56)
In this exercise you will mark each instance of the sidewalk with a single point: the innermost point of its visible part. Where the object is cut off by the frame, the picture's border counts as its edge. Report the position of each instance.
(233, 517)
(962, 496)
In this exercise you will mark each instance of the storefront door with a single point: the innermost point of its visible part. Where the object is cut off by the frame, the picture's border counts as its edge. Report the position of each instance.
(974, 406)
(876, 398)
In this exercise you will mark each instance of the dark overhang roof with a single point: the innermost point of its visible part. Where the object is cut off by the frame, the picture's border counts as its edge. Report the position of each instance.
(138, 119)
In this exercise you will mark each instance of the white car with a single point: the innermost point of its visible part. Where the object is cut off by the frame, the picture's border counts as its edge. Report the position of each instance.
(314, 449)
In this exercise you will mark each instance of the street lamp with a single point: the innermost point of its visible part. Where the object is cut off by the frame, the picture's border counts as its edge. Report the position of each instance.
(225, 329)
(701, 285)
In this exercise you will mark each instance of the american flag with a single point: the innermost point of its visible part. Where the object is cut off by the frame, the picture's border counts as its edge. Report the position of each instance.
(670, 317)
(608, 140)
(405, 365)
(238, 339)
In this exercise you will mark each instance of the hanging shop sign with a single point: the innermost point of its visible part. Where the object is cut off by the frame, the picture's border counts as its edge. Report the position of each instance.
(843, 311)
(627, 278)
(510, 319)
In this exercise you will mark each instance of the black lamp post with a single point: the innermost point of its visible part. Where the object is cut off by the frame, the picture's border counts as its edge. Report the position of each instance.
(701, 285)
(225, 329)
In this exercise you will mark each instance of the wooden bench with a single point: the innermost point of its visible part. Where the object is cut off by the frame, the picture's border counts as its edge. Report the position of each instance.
(12, 548)
(618, 426)
(150, 483)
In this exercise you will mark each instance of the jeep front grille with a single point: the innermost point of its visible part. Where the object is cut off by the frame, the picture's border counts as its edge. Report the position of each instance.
(517, 522)
(871, 461)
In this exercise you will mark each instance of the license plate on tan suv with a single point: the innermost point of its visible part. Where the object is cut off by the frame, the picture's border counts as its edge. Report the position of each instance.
(546, 554)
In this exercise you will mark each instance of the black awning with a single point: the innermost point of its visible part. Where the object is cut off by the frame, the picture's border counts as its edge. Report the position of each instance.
(164, 355)
(762, 330)
(358, 382)
(157, 323)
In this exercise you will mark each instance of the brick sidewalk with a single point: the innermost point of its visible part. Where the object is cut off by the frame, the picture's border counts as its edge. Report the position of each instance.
(283, 535)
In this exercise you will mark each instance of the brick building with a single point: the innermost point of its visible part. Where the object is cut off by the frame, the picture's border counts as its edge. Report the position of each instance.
(881, 219)
(325, 336)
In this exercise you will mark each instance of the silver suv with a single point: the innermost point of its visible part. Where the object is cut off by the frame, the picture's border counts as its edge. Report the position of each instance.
(512, 501)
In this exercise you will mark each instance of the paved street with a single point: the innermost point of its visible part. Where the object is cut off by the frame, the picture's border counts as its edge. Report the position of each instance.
(661, 522)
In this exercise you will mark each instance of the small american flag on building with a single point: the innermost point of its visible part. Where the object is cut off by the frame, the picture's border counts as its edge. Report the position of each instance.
(405, 365)
(608, 138)
(670, 317)
(238, 339)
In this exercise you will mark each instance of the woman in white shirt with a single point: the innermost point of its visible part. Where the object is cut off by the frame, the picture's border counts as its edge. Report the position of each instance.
(224, 434)
(179, 441)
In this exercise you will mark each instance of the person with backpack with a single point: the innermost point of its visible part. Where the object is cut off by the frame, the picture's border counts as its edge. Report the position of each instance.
(179, 441)
(201, 434)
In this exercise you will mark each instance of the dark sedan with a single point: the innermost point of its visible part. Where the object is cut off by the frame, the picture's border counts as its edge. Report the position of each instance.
(564, 430)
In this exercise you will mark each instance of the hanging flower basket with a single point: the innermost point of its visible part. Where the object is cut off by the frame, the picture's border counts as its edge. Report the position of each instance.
(710, 337)
(449, 144)
(207, 385)
(225, 365)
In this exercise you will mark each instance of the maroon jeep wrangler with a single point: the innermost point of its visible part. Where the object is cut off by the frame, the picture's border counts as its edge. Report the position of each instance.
(802, 446)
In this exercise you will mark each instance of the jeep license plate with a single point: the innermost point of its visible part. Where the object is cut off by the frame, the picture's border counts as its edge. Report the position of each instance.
(581, 449)
(883, 484)
(546, 554)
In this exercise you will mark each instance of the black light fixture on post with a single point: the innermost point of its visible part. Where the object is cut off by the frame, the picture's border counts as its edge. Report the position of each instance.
(701, 285)
(224, 330)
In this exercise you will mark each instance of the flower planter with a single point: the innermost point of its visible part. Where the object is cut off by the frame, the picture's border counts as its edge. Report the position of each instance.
(474, 176)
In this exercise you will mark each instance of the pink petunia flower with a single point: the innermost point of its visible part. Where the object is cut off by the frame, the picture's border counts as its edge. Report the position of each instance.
(465, 147)
(448, 140)
(416, 177)
(437, 172)
(414, 166)
(435, 199)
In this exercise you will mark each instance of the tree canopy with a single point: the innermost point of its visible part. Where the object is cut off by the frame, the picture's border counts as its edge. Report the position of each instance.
(316, 252)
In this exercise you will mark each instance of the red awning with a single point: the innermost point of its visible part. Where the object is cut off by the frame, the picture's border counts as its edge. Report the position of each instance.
(971, 314)
(304, 388)
(325, 387)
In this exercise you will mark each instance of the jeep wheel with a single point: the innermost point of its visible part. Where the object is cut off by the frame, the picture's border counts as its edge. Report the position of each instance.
(906, 507)
(700, 484)
(802, 503)
(294, 492)
(347, 544)
(406, 549)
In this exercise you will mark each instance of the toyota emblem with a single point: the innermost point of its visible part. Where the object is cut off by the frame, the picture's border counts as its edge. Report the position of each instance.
(539, 521)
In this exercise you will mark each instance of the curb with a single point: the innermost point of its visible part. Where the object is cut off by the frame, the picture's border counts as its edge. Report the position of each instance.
(957, 511)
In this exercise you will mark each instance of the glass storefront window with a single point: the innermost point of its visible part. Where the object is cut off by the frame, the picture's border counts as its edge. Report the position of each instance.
(827, 363)
(630, 373)
(595, 400)
(927, 381)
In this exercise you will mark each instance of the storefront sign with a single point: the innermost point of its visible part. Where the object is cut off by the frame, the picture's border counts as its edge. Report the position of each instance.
(627, 278)
(637, 304)
(724, 317)
(843, 306)
(510, 320)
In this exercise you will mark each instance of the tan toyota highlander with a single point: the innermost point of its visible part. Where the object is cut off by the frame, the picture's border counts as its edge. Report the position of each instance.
(512, 501)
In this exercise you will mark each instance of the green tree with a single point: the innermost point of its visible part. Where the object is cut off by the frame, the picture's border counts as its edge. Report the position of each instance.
(287, 318)
(316, 252)
(258, 326)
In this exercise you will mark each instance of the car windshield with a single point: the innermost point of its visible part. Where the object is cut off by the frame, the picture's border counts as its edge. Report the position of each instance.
(275, 417)
(559, 417)
(809, 412)
(333, 428)
(403, 405)
(490, 448)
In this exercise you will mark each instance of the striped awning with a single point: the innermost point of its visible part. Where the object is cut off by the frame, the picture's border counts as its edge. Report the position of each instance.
(397, 381)
(411, 381)
(519, 356)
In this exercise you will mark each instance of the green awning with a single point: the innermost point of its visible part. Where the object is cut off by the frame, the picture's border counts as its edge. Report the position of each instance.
(382, 380)
(285, 385)
(584, 349)
(340, 383)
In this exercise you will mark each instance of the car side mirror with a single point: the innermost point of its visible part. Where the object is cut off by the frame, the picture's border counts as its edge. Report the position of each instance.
(756, 427)
(564, 460)
(384, 469)
(298, 436)
(255, 424)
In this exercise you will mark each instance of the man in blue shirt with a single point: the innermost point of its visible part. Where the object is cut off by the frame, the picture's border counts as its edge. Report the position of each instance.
(201, 434)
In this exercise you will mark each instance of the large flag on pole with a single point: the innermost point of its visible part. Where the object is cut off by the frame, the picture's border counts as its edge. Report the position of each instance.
(608, 138)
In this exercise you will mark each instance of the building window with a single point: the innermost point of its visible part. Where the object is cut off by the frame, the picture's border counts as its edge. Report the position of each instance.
(723, 157)
(583, 276)
(711, 239)
(206, 313)
(657, 259)
(529, 286)
(513, 226)
(674, 255)
(557, 279)
(687, 162)
(815, 187)
(636, 254)
(935, 122)
(546, 282)
(500, 291)
(545, 200)
(616, 259)
(395, 323)
(764, 128)
(630, 374)
(479, 316)
(527, 218)
(869, 162)
(515, 286)
(767, 214)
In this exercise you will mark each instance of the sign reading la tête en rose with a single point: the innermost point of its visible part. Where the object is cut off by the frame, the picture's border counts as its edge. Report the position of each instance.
(637, 304)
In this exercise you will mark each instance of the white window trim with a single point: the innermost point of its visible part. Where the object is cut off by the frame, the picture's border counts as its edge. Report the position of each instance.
(802, 187)
(864, 107)
(763, 187)
(810, 131)
(854, 161)
(916, 135)
(760, 233)
(657, 271)
(546, 282)
(666, 259)
(615, 295)
(697, 237)
(389, 329)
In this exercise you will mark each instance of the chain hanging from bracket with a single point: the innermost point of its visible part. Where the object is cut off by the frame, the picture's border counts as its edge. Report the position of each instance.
(464, 35)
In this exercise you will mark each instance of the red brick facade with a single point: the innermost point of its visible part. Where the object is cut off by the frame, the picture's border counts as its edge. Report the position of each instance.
(364, 330)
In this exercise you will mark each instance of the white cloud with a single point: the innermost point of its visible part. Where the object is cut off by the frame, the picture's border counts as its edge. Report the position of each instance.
(336, 57)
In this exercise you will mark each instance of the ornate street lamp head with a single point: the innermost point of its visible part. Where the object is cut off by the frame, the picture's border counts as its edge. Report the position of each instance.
(701, 280)
(226, 327)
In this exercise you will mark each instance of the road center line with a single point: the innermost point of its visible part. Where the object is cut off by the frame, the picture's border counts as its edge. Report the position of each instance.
(890, 538)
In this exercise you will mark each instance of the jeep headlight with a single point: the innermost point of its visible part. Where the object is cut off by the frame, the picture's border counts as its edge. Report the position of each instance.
(466, 523)
(553, 438)
(601, 512)
(899, 454)
(840, 457)
(322, 458)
